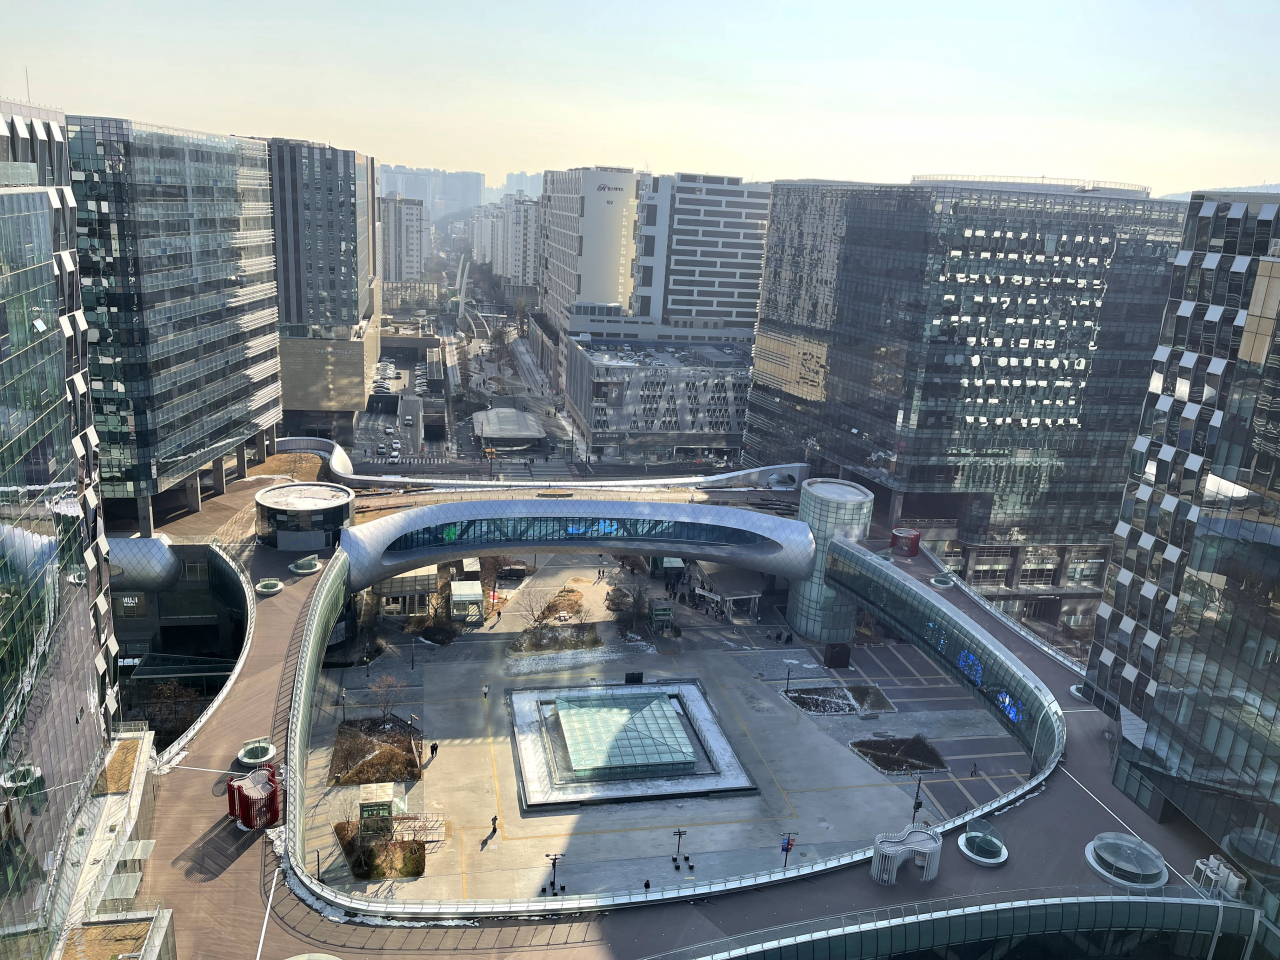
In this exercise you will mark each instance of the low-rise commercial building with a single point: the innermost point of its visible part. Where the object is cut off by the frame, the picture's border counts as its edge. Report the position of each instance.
(657, 401)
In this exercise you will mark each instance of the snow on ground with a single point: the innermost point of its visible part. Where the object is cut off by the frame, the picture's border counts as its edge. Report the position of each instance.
(564, 660)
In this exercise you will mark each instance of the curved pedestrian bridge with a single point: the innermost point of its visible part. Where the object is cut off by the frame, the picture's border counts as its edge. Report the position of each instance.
(758, 541)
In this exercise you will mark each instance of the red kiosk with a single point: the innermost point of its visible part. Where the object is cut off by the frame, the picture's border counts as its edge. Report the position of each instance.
(254, 798)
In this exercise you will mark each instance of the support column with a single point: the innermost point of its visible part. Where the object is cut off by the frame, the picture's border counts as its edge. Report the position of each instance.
(219, 475)
(970, 561)
(193, 492)
(146, 523)
(895, 508)
(242, 462)
(260, 441)
(1060, 574)
(271, 439)
(1015, 571)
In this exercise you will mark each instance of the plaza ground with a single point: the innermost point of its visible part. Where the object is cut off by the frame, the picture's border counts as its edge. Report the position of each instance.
(809, 780)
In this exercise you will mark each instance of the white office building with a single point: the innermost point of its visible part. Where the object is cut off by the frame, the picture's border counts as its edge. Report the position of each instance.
(699, 249)
(401, 238)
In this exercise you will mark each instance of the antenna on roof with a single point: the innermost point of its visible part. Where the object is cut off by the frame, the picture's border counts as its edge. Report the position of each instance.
(28, 73)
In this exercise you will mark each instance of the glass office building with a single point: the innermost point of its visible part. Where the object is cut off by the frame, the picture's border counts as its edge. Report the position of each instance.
(974, 350)
(57, 673)
(177, 260)
(1188, 635)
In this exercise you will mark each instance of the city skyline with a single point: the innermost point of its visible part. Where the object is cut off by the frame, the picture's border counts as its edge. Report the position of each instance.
(986, 86)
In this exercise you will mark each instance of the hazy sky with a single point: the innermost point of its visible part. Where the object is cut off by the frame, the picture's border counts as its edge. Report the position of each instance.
(1170, 94)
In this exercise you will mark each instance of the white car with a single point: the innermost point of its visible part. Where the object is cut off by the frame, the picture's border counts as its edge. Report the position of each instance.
(395, 444)
(389, 431)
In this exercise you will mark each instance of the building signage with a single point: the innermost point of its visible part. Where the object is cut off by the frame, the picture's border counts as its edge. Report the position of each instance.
(605, 188)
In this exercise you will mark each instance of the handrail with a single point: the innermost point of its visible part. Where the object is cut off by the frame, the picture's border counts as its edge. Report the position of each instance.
(322, 617)
(250, 624)
(1046, 648)
(757, 941)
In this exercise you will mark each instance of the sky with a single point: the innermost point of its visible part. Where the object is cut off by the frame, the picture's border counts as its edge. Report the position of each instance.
(1173, 95)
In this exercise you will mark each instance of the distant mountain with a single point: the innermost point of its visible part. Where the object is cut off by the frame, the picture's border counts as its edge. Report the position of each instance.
(1260, 188)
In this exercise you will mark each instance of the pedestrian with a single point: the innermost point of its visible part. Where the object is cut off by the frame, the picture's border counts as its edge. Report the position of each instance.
(485, 691)
(788, 638)
(974, 771)
(435, 748)
(499, 616)
(495, 821)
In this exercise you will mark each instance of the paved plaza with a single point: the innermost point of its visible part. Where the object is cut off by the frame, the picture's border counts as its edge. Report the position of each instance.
(809, 780)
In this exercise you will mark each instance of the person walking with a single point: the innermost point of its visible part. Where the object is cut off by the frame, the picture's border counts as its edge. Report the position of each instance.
(484, 691)
(974, 772)
(435, 748)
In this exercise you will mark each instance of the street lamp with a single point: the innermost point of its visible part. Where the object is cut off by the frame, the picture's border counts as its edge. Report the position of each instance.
(679, 835)
(788, 841)
(344, 704)
(554, 858)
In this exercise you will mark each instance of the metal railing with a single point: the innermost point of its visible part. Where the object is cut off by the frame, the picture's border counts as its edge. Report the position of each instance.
(250, 624)
(1030, 636)
(322, 617)
(757, 941)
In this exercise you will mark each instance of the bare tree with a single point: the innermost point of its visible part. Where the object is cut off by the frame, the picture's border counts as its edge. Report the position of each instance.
(387, 691)
(532, 606)
(634, 609)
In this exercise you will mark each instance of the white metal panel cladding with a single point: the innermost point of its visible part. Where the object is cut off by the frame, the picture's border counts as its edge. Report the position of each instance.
(786, 547)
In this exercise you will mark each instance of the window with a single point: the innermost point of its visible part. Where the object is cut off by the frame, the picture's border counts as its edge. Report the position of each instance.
(646, 250)
(646, 278)
(195, 570)
(651, 215)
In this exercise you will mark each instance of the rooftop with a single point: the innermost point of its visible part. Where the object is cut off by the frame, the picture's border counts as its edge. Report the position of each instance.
(305, 496)
(726, 357)
(503, 423)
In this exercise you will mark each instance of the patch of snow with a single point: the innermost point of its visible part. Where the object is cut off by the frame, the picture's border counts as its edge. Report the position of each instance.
(809, 666)
(796, 662)
(172, 762)
(642, 646)
(732, 646)
(564, 660)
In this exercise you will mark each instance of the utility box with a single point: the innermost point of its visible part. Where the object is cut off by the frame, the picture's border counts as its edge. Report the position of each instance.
(635, 677)
(836, 656)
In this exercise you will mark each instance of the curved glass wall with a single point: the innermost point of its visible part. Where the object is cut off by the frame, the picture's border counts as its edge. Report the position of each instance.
(330, 521)
(516, 529)
(953, 641)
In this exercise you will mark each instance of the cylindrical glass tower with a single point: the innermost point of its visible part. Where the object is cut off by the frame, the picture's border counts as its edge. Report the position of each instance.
(827, 506)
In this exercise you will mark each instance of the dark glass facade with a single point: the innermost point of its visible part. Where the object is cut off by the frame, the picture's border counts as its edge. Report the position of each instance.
(176, 252)
(57, 648)
(326, 221)
(976, 349)
(1188, 635)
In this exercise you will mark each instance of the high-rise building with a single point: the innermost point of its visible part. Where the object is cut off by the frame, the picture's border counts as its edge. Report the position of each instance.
(58, 688)
(699, 250)
(176, 258)
(529, 183)
(487, 237)
(401, 222)
(975, 351)
(442, 192)
(1187, 637)
(589, 216)
(521, 260)
(326, 234)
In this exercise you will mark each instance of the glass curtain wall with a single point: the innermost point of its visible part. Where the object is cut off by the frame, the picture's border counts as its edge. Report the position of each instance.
(177, 254)
(57, 649)
(1188, 635)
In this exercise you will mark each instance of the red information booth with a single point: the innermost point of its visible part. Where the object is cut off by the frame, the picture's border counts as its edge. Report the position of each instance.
(254, 798)
(905, 542)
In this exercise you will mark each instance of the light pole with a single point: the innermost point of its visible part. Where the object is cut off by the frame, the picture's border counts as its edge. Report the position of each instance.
(554, 858)
(788, 841)
(344, 704)
(915, 808)
(679, 835)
